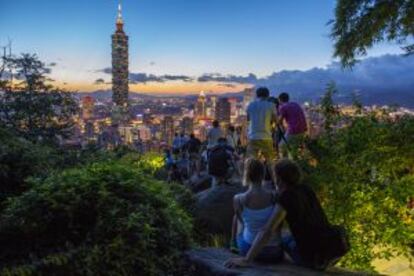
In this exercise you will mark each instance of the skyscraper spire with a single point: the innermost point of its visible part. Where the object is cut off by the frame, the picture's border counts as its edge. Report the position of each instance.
(120, 64)
(119, 19)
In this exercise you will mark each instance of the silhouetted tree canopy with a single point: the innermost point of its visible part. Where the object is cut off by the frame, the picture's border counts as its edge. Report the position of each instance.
(359, 24)
(31, 107)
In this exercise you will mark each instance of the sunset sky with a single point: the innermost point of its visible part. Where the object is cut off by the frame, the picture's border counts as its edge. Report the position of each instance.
(176, 46)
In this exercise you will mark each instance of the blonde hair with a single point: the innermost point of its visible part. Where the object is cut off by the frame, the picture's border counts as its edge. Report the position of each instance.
(254, 172)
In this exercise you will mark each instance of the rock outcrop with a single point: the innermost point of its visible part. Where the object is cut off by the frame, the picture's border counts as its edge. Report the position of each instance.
(199, 184)
(214, 208)
(209, 261)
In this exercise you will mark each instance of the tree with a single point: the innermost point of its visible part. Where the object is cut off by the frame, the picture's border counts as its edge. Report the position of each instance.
(364, 176)
(32, 108)
(329, 110)
(356, 103)
(358, 25)
(105, 218)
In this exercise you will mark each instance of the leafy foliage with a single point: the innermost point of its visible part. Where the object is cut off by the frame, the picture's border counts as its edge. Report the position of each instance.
(31, 107)
(20, 159)
(328, 108)
(358, 25)
(364, 174)
(106, 218)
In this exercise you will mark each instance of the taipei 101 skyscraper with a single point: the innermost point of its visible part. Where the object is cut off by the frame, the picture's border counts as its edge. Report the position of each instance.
(120, 64)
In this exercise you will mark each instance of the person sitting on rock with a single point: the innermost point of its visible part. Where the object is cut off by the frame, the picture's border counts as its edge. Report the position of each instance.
(253, 209)
(313, 243)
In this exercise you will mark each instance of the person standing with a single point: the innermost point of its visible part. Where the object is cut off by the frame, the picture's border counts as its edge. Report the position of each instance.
(214, 134)
(294, 116)
(232, 138)
(193, 147)
(176, 144)
(261, 114)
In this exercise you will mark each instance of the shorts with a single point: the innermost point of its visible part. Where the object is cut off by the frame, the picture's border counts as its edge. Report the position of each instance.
(269, 254)
(255, 148)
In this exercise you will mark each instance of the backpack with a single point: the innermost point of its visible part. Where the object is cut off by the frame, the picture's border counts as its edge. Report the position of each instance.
(332, 241)
(193, 146)
(218, 161)
(334, 244)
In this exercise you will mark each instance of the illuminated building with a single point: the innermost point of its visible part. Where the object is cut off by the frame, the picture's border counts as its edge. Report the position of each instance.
(89, 130)
(88, 105)
(144, 133)
(213, 100)
(201, 110)
(167, 129)
(233, 109)
(187, 125)
(248, 97)
(223, 111)
(120, 64)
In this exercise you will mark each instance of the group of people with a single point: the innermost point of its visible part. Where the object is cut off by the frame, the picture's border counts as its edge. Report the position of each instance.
(219, 155)
(268, 117)
(260, 214)
(276, 196)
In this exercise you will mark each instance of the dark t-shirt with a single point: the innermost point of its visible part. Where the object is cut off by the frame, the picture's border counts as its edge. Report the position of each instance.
(193, 145)
(306, 218)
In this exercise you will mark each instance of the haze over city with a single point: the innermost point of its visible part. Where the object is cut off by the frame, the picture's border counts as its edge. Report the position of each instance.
(183, 47)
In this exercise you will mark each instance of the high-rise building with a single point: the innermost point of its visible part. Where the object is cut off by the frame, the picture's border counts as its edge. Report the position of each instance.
(223, 111)
(201, 111)
(187, 125)
(88, 105)
(213, 100)
(167, 129)
(120, 63)
(248, 97)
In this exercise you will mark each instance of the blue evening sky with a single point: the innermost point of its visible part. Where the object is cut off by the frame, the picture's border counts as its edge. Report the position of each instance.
(189, 37)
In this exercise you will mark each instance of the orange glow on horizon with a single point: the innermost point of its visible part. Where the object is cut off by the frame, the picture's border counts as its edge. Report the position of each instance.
(158, 88)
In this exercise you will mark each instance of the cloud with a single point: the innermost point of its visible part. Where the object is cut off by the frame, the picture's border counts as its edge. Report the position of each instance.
(177, 78)
(144, 78)
(378, 79)
(107, 70)
(382, 80)
(136, 78)
(99, 81)
(228, 85)
(217, 77)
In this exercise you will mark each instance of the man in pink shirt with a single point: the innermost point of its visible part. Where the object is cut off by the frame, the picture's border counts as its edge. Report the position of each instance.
(291, 113)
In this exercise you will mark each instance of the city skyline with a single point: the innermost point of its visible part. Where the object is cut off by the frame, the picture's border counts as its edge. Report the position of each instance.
(175, 46)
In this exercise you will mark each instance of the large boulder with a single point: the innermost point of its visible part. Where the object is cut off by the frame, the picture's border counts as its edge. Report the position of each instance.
(209, 261)
(214, 208)
(199, 184)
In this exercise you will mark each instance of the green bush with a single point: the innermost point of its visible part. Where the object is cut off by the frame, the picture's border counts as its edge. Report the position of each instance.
(364, 175)
(20, 159)
(106, 218)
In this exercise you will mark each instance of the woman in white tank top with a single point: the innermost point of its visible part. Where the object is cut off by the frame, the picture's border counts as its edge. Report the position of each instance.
(252, 211)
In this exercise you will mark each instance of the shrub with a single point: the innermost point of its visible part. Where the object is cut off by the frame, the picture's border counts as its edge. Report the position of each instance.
(106, 218)
(20, 159)
(364, 175)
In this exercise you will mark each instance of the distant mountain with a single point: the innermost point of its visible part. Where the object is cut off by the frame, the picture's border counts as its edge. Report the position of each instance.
(384, 80)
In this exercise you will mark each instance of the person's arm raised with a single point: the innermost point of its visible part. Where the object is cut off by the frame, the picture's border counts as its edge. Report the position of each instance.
(261, 239)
